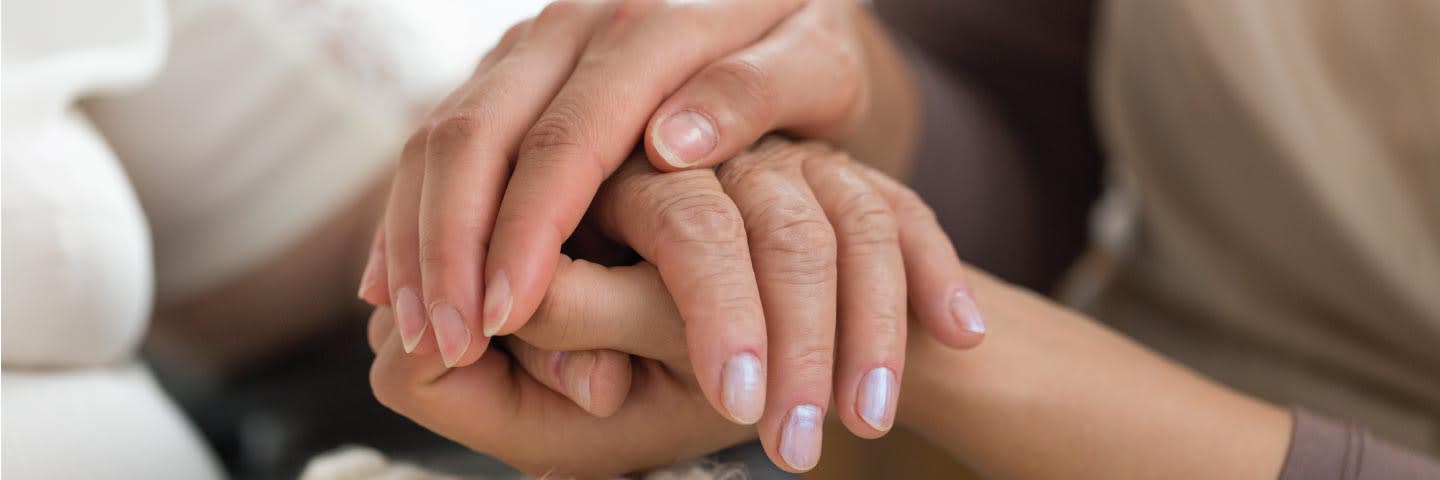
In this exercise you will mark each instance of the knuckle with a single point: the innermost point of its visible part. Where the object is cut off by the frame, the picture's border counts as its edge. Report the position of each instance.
(800, 229)
(746, 78)
(886, 323)
(865, 220)
(802, 242)
(433, 256)
(812, 360)
(561, 126)
(559, 11)
(414, 150)
(520, 27)
(703, 217)
(453, 133)
(627, 10)
(561, 129)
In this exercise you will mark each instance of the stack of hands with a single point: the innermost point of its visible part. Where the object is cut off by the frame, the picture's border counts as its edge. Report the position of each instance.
(772, 283)
(722, 284)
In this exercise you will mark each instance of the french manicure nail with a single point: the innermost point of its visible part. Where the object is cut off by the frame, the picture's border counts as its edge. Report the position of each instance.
(877, 397)
(497, 302)
(367, 279)
(685, 138)
(451, 334)
(410, 318)
(800, 442)
(577, 380)
(743, 388)
(966, 313)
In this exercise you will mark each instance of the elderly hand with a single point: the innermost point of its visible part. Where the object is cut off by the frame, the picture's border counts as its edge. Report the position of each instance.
(563, 99)
(810, 214)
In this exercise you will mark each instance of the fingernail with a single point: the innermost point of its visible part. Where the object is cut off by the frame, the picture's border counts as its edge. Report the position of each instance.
(685, 138)
(451, 334)
(577, 378)
(877, 398)
(800, 442)
(966, 313)
(743, 388)
(497, 302)
(367, 279)
(410, 318)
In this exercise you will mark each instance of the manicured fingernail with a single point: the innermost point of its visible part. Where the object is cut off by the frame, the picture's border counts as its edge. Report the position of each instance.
(800, 442)
(743, 388)
(966, 313)
(367, 280)
(579, 365)
(685, 138)
(410, 318)
(497, 302)
(451, 334)
(876, 401)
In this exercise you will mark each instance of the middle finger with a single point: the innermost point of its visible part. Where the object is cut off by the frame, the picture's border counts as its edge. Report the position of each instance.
(794, 247)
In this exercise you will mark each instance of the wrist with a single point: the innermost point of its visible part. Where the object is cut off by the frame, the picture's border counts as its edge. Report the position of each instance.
(888, 131)
(1052, 394)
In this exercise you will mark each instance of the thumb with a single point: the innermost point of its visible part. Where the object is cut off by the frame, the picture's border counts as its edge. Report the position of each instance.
(794, 80)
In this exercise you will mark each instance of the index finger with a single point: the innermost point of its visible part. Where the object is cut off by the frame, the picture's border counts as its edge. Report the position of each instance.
(591, 126)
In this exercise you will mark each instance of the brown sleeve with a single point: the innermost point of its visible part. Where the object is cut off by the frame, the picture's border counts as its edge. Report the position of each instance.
(1323, 449)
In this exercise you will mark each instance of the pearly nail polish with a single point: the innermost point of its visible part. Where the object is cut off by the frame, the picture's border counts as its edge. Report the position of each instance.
(876, 399)
(743, 388)
(800, 441)
(966, 312)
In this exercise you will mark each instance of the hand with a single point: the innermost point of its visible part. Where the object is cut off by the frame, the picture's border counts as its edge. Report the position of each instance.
(566, 95)
(770, 185)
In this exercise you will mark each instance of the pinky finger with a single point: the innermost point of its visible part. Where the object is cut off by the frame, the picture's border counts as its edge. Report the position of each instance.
(940, 293)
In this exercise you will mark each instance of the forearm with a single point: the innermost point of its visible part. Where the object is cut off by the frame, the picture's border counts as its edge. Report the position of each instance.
(1052, 394)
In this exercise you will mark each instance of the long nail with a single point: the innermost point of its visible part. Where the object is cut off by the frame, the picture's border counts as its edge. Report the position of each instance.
(579, 366)
(800, 441)
(743, 388)
(967, 314)
(410, 317)
(451, 334)
(367, 280)
(684, 138)
(497, 302)
(876, 400)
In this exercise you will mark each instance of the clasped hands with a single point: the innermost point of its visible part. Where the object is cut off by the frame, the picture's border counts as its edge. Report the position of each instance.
(767, 286)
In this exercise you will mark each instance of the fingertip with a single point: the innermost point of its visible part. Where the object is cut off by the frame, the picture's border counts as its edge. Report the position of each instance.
(960, 325)
(608, 382)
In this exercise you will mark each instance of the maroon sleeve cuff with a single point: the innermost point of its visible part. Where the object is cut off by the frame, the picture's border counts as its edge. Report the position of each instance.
(1323, 449)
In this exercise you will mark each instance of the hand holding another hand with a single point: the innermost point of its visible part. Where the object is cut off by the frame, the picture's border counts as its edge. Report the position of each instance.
(853, 222)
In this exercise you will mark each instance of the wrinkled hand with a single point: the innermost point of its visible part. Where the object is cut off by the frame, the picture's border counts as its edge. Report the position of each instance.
(852, 222)
(563, 98)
